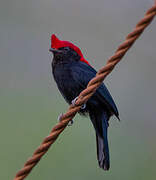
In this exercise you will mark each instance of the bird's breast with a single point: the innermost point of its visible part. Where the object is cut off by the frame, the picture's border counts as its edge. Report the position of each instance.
(66, 83)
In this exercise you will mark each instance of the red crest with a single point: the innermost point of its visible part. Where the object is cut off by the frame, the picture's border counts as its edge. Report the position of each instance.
(56, 43)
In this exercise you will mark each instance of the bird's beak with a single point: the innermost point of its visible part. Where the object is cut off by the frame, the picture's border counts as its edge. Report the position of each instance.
(53, 50)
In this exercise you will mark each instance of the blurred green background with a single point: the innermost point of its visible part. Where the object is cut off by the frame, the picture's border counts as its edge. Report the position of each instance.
(30, 102)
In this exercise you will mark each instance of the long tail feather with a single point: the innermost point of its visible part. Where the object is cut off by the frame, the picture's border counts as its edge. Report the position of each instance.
(103, 148)
(100, 122)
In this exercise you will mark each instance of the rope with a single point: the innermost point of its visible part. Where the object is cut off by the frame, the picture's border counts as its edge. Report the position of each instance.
(86, 94)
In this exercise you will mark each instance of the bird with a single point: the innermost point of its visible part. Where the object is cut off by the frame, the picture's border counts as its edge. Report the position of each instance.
(72, 72)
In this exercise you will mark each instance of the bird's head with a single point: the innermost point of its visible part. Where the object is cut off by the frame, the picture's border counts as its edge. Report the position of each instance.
(65, 51)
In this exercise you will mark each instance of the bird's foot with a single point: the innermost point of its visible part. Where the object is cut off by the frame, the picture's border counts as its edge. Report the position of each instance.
(71, 123)
(74, 103)
(59, 120)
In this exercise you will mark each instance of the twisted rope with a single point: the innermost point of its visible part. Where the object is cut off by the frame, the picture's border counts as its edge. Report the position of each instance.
(86, 94)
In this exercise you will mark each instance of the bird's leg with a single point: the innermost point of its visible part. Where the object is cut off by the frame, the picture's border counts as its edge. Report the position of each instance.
(74, 103)
(59, 119)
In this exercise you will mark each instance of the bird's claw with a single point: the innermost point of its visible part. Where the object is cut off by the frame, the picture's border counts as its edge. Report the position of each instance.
(59, 117)
(59, 120)
(70, 123)
(83, 106)
(74, 103)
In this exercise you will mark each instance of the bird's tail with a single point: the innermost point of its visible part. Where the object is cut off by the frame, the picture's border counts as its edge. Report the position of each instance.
(100, 123)
(102, 152)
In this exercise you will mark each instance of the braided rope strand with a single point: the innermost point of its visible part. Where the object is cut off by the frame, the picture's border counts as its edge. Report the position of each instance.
(86, 94)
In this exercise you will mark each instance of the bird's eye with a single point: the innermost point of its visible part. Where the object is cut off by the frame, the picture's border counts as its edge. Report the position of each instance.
(66, 49)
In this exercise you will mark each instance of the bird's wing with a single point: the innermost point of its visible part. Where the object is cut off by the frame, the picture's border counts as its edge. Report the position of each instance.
(82, 74)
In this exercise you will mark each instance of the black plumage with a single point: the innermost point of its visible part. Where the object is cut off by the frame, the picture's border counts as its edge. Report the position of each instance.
(72, 76)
